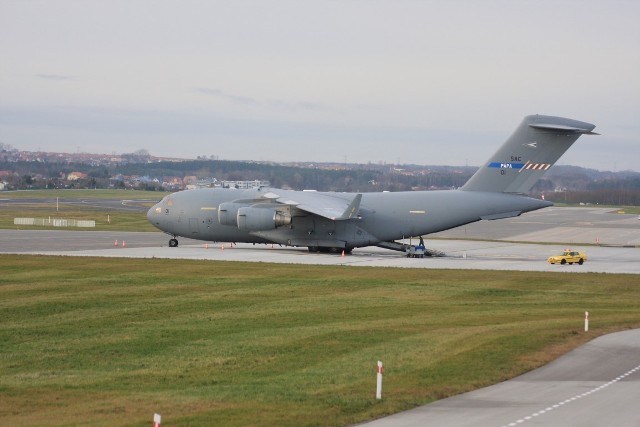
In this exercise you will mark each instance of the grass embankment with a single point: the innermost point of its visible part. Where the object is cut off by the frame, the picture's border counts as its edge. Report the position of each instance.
(80, 205)
(234, 344)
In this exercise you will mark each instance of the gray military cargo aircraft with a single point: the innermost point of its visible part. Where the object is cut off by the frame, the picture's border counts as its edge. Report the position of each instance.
(337, 222)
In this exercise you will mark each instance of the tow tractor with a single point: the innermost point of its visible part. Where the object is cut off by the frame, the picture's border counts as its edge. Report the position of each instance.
(416, 251)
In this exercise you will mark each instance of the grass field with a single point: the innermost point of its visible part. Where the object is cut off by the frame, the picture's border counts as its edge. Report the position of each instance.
(65, 204)
(84, 194)
(109, 342)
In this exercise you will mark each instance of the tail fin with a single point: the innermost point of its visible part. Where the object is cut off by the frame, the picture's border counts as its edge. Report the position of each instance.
(533, 148)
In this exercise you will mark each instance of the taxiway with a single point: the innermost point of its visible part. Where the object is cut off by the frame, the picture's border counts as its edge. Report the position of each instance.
(610, 239)
(597, 384)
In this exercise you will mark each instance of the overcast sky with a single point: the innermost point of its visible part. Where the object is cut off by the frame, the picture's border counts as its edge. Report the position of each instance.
(426, 82)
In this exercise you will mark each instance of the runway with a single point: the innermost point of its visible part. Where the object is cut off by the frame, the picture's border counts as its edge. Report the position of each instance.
(610, 239)
(597, 384)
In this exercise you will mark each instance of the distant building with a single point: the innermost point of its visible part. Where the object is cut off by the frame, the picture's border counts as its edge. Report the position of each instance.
(74, 176)
(189, 180)
(244, 185)
(206, 183)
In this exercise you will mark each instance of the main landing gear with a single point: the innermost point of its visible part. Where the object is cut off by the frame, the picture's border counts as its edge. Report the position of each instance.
(173, 243)
(329, 250)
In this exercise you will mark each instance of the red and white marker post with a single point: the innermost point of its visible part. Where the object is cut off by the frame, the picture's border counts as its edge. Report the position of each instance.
(379, 383)
(157, 419)
(586, 321)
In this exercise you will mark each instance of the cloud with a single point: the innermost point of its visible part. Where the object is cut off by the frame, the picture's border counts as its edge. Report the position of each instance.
(274, 104)
(56, 77)
(236, 99)
(294, 107)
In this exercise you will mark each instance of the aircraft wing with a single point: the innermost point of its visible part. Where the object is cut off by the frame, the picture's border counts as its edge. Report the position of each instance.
(322, 204)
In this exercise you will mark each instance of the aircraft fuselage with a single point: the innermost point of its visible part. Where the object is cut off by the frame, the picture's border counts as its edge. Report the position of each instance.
(381, 216)
(350, 220)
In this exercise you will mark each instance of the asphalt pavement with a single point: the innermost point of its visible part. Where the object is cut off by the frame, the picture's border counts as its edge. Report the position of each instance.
(595, 385)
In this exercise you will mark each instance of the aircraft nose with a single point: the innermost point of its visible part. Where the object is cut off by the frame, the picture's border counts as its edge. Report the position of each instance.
(153, 215)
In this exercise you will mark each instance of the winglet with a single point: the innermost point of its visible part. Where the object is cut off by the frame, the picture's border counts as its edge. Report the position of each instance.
(352, 209)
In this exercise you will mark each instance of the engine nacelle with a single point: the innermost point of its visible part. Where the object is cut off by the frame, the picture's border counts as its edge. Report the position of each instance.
(259, 219)
(228, 213)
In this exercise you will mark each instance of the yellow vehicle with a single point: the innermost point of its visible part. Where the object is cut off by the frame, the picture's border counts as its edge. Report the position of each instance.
(568, 257)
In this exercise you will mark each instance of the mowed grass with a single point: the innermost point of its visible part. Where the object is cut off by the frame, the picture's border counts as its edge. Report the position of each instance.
(94, 341)
(96, 194)
(80, 205)
(106, 220)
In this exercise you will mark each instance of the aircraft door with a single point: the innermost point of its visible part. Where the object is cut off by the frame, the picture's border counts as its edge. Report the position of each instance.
(193, 225)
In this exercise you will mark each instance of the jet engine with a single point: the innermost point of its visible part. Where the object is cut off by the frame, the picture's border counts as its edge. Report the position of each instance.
(228, 213)
(259, 219)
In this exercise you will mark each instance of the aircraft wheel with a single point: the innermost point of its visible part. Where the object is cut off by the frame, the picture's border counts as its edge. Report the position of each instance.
(328, 250)
(581, 261)
(564, 261)
(173, 243)
(313, 249)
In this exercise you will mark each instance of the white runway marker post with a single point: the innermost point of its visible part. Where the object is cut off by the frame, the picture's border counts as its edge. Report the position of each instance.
(379, 383)
(157, 419)
(586, 321)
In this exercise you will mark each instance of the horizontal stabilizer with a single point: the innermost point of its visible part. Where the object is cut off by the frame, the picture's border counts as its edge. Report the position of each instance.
(562, 128)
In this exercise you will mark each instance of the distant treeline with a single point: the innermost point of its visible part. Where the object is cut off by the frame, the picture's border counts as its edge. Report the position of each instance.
(597, 197)
(561, 184)
(362, 178)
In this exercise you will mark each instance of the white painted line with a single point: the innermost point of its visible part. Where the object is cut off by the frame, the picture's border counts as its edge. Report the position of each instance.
(572, 399)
